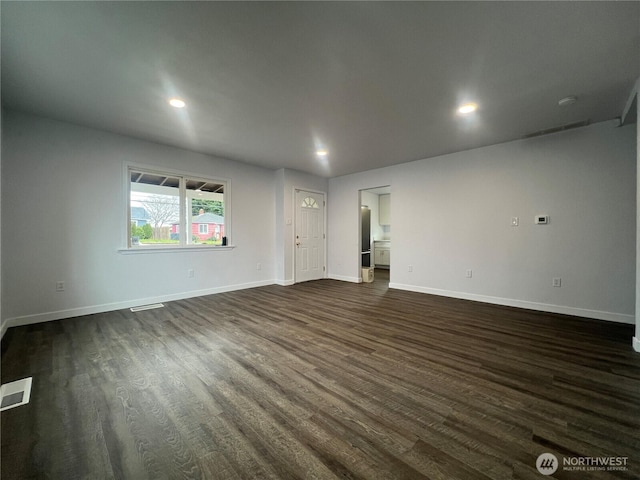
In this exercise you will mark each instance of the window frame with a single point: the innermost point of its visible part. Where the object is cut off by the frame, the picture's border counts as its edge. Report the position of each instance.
(128, 247)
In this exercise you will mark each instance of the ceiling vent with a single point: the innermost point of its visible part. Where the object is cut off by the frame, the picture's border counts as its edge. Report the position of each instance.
(561, 128)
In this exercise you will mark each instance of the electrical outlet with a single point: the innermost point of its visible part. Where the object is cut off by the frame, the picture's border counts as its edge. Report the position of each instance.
(557, 282)
(258, 266)
(410, 268)
(59, 286)
(191, 273)
(469, 273)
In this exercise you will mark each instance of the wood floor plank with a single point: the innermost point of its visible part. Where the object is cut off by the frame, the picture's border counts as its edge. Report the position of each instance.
(324, 380)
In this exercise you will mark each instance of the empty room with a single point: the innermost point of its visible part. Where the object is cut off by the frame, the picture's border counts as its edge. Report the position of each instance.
(320, 240)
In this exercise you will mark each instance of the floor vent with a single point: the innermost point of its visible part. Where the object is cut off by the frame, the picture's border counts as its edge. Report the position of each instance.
(15, 393)
(147, 307)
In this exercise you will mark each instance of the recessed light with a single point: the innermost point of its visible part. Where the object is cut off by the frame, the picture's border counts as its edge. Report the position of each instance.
(176, 102)
(467, 108)
(322, 152)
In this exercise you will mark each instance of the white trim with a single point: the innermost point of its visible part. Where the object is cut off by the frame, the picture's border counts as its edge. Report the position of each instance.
(284, 283)
(184, 175)
(636, 344)
(360, 266)
(343, 278)
(543, 307)
(126, 206)
(186, 248)
(3, 328)
(109, 307)
(372, 262)
(635, 92)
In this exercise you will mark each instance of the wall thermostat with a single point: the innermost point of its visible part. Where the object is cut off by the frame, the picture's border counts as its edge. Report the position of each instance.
(542, 219)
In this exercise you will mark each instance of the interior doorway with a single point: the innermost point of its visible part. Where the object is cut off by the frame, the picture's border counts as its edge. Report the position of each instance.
(375, 233)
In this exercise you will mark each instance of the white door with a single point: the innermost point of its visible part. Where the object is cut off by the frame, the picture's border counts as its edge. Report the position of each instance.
(309, 241)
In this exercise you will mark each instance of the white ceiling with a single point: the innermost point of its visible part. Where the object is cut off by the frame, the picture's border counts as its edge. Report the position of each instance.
(376, 83)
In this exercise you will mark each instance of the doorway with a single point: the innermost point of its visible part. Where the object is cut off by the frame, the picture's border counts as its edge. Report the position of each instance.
(375, 233)
(309, 236)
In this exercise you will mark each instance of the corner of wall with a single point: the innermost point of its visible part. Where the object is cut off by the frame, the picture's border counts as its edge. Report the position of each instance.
(636, 344)
(279, 230)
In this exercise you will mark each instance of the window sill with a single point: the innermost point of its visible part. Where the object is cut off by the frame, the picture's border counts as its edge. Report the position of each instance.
(191, 248)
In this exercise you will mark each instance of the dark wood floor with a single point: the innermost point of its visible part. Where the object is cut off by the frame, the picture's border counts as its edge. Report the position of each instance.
(320, 380)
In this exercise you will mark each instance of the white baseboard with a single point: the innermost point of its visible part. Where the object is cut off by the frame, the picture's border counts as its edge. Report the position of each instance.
(109, 307)
(636, 344)
(345, 279)
(284, 283)
(542, 307)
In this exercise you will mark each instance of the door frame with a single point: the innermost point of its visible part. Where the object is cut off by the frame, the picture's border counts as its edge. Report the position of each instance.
(360, 236)
(294, 190)
(360, 191)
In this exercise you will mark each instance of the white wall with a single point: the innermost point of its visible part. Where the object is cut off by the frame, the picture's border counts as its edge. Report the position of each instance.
(452, 213)
(636, 339)
(286, 182)
(3, 324)
(344, 219)
(63, 217)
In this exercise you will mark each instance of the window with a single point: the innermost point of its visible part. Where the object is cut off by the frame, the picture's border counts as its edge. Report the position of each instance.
(172, 203)
(309, 202)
